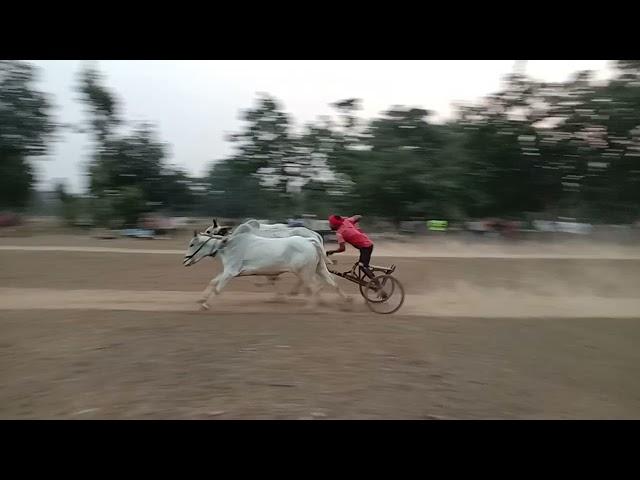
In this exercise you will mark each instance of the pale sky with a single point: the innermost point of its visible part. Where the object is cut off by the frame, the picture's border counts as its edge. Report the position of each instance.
(196, 103)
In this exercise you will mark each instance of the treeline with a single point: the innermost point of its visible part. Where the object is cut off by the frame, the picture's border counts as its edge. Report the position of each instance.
(532, 149)
(543, 149)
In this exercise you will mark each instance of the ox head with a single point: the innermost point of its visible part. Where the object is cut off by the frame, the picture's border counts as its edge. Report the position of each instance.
(216, 229)
(203, 245)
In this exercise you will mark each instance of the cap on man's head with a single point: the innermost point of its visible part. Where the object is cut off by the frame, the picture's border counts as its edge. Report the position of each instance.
(335, 221)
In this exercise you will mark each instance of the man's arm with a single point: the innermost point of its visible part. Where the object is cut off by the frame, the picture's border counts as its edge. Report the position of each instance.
(355, 218)
(341, 248)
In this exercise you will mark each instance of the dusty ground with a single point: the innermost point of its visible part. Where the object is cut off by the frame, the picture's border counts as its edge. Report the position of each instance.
(118, 335)
(106, 364)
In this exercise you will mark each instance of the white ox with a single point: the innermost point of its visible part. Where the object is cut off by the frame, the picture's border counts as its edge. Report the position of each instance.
(278, 230)
(245, 254)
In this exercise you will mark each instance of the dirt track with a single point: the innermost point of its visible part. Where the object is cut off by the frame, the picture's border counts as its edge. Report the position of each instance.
(112, 335)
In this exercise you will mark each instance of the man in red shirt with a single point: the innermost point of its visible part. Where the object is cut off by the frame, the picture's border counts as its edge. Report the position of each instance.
(347, 232)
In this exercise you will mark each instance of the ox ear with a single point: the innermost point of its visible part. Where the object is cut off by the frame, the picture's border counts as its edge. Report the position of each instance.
(215, 223)
(195, 233)
(224, 241)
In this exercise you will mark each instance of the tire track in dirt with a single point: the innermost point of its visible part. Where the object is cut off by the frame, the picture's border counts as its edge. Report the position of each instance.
(472, 304)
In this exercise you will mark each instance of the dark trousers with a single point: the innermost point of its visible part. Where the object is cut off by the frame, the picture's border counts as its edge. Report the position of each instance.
(365, 255)
(365, 258)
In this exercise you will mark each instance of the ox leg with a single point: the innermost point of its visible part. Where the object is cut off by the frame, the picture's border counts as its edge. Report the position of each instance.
(311, 287)
(279, 297)
(220, 281)
(224, 279)
(308, 280)
(207, 291)
(296, 290)
(271, 281)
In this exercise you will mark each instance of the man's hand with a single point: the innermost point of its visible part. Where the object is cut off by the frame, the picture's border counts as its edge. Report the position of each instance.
(341, 248)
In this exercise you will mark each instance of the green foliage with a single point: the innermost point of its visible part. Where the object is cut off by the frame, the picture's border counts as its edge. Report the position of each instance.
(129, 205)
(102, 104)
(128, 173)
(135, 159)
(236, 195)
(104, 212)
(16, 179)
(569, 149)
(266, 156)
(26, 130)
(70, 206)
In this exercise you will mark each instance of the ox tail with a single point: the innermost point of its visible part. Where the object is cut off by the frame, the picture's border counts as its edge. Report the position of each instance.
(321, 267)
(323, 255)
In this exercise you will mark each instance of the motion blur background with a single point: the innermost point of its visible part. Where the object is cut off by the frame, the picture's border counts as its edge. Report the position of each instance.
(457, 141)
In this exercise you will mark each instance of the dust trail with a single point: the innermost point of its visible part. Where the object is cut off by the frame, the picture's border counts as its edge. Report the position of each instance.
(459, 302)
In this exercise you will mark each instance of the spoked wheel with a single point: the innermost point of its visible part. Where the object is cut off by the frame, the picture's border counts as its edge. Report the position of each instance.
(384, 282)
(384, 295)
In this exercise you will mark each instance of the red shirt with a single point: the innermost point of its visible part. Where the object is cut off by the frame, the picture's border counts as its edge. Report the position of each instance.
(348, 232)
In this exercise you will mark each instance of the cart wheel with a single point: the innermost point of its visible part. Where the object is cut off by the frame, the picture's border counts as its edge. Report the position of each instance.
(384, 283)
(386, 299)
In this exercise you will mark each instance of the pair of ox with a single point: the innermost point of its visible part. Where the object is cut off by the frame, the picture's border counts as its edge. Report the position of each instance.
(253, 249)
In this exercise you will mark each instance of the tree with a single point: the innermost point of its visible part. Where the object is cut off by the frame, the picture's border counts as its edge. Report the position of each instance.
(26, 130)
(570, 148)
(176, 190)
(103, 105)
(394, 164)
(611, 128)
(130, 204)
(128, 173)
(235, 194)
(267, 151)
(70, 204)
(404, 129)
(593, 144)
(16, 180)
(134, 159)
(507, 162)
